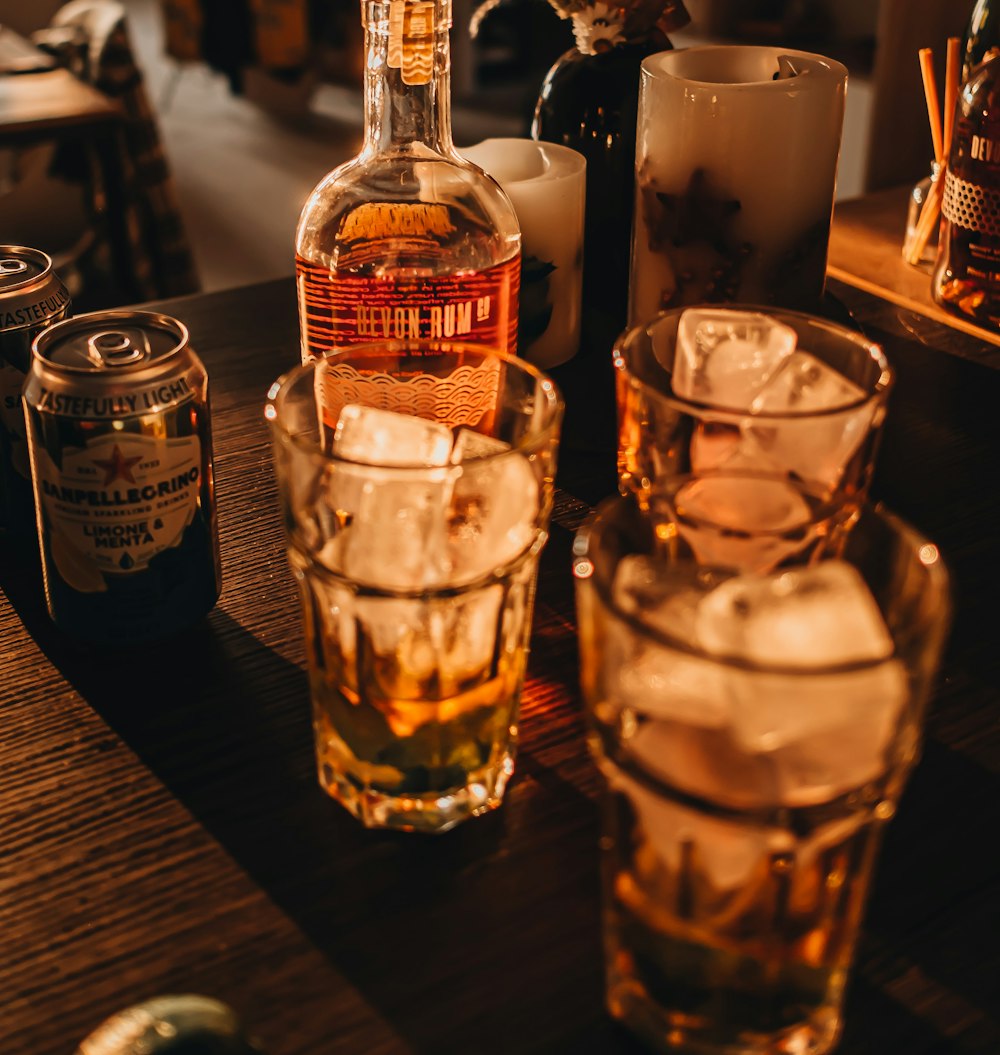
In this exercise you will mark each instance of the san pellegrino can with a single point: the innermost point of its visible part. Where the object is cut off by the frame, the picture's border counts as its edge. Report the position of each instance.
(31, 298)
(119, 436)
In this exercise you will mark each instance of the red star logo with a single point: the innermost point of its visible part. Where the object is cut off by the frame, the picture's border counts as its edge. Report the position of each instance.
(117, 465)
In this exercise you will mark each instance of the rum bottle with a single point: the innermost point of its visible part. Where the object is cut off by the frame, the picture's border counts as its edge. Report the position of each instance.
(408, 239)
(981, 34)
(966, 277)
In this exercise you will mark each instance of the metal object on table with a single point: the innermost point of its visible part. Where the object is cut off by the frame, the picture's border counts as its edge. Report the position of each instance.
(120, 440)
(186, 1024)
(32, 297)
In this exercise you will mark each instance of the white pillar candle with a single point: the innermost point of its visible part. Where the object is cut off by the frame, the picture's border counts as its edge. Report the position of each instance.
(736, 164)
(546, 184)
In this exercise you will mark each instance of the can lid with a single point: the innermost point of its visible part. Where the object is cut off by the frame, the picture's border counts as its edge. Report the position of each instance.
(21, 266)
(105, 341)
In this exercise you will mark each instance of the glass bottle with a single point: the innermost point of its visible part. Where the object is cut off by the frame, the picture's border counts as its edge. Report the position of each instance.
(407, 239)
(966, 278)
(981, 34)
(589, 101)
(918, 199)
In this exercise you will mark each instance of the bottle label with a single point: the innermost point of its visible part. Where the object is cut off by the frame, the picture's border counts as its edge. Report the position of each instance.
(971, 205)
(467, 396)
(337, 310)
(116, 503)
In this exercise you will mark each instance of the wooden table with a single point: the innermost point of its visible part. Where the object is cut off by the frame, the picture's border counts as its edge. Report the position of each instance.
(162, 830)
(866, 244)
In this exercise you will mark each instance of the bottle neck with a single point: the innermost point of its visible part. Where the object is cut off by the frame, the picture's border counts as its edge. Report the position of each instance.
(407, 75)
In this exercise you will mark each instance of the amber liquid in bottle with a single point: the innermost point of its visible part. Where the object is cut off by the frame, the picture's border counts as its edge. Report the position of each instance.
(967, 269)
(407, 239)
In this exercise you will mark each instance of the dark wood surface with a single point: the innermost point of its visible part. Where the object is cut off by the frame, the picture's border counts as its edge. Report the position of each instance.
(162, 830)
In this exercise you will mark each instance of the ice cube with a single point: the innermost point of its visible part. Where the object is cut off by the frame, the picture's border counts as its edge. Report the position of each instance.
(804, 383)
(818, 447)
(819, 616)
(394, 533)
(470, 444)
(826, 732)
(389, 512)
(863, 711)
(726, 357)
(653, 679)
(384, 437)
(719, 867)
(494, 510)
(742, 522)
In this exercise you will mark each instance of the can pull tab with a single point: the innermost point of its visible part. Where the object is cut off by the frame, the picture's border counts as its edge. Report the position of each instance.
(112, 348)
(11, 266)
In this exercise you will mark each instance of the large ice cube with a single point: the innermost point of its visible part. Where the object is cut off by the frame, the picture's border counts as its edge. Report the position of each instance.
(726, 357)
(817, 448)
(388, 514)
(827, 731)
(811, 617)
(653, 679)
(383, 437)
(494, 507)
(718, 867)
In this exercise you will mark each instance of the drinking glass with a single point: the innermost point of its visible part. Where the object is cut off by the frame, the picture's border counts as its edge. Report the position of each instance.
(415, 479)
(750, 434)
(754, 733)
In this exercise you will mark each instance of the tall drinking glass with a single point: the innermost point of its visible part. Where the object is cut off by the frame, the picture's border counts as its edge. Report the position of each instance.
(416, 482)
(755, 733)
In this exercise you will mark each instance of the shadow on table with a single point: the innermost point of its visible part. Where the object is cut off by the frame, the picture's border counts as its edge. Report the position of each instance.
(223, 721)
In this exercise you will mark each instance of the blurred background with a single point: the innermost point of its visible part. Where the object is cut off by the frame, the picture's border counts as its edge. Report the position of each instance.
(246, 129)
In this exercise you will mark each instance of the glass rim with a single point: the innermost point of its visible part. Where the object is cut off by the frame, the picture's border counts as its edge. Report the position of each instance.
(280, 388)
(585, 569)
(657, 67)
(880, 393)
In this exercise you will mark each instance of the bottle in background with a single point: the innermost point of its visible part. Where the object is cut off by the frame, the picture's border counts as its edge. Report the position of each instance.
(981, 34)
(966, 278)
(32, 297)
(589, 101)
(407, 239)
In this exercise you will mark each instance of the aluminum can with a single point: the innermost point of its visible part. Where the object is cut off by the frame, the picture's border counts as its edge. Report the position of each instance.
(31, 298)
(119, 435)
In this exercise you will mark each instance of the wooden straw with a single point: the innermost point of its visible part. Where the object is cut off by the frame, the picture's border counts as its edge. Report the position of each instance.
(931, 212)
(951, 86)
(931, 98)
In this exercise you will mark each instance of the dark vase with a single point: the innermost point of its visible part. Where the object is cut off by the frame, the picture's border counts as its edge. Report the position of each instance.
(590, 103)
